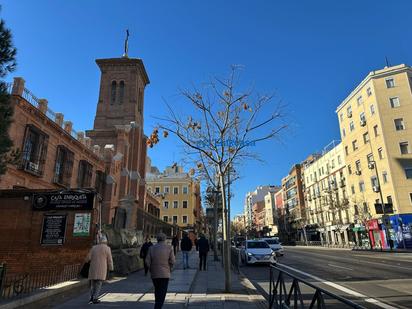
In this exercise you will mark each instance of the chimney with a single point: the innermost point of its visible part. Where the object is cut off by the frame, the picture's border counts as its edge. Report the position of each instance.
(18, 86)
(59, 119)
(68, 125)
(43, 103)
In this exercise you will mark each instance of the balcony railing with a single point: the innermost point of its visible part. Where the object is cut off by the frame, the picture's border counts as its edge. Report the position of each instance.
(34, 101)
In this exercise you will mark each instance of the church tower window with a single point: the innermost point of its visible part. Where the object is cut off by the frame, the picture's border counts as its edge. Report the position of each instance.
(113, 93)
(121, 92)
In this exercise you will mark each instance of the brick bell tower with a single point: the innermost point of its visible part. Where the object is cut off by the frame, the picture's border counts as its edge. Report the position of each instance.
(118, 133)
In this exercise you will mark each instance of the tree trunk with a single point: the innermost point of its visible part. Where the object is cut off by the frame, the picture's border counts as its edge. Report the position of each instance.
(215, 225)
(226, 247)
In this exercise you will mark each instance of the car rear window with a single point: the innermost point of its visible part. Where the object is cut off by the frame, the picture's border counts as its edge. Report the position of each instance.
(272, 242)
(257, 244)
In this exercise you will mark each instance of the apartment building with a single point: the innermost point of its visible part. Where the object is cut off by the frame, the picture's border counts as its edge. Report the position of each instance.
(326, 196)
(258, 210)
(179, 194)
(270, 213)
(253, 197)
(376, 129)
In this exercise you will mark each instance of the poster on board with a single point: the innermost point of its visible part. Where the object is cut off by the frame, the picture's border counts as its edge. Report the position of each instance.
(81, 225)
(53, 230)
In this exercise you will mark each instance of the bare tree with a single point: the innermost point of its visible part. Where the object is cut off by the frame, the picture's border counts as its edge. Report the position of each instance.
(217, 127)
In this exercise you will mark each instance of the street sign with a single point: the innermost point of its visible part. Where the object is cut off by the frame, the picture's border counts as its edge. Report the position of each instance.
(69, 200)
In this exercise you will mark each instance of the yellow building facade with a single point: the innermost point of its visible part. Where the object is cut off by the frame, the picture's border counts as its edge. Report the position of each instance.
(179, 196)
(376, 128)
(326, 197)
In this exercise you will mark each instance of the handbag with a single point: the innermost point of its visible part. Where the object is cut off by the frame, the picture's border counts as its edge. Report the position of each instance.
(84, 272)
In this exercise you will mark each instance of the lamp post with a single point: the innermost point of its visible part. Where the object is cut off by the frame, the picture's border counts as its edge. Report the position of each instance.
(372, 165)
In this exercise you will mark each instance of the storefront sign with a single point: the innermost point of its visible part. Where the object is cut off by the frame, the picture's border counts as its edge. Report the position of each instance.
(53, 230)
(81, 225)
(373, 225)
(69, 200)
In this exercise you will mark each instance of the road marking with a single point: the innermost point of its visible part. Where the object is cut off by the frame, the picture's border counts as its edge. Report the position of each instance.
(362, 261)
(333, 265)
(341, 288)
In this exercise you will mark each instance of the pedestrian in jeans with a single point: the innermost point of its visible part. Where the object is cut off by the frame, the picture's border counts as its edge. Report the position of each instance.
(100, 258)
(186, 247)
(203, 248)
(160, 260)
(143, 253)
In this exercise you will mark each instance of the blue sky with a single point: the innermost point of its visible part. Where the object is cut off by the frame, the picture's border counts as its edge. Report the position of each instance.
(311, 53)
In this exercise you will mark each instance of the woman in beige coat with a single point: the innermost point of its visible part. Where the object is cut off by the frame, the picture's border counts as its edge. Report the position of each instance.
(100, 257)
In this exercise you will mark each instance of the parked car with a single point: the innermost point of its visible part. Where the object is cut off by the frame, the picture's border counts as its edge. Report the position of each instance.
(257, 251)
(275, 245)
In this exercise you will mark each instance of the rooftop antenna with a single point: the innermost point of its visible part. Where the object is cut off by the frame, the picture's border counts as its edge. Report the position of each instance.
(126, 45)
(387, 62)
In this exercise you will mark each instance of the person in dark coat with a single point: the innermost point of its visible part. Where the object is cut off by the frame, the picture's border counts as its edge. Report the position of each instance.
(186, 247)
(160, 260)
(143, 253)
(175, 244)
(203, 248)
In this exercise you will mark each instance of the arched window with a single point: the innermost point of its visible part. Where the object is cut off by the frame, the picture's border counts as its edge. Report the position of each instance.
(121, 92)
(113, 93)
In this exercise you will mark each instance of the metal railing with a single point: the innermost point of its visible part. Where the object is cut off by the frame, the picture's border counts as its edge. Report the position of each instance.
(19, 285)
(281, 297)
(323, 244)
(33, 100)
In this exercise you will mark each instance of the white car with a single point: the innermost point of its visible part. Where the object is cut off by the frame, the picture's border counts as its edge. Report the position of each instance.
(275, 245)
(258, 251)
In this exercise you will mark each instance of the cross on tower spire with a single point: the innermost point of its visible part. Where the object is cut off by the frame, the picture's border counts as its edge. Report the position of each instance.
(126, 44)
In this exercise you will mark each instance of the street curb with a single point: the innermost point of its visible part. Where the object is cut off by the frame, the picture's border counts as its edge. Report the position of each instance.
(253, 292)
(31, 300)
(190, 292)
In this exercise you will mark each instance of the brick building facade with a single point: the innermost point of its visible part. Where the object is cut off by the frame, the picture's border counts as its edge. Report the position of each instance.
(109, 160)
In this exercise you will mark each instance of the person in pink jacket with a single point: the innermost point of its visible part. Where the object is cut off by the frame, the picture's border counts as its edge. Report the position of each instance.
(100, 257)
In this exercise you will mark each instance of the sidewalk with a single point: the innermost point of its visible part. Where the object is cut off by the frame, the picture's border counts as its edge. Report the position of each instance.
(188, 288)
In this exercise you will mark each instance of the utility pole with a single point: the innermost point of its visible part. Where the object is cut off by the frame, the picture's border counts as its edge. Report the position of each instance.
(388, 237)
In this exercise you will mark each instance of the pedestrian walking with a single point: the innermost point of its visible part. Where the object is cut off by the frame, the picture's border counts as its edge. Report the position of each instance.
(143, 253)
(160, 260)
(186, 247)
(175, 244)
(100, 258)
(203, 248)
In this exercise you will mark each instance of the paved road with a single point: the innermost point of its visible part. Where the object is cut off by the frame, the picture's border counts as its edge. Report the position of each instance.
(372, 279)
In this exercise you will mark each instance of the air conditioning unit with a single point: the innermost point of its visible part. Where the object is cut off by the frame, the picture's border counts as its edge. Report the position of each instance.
(363, 122)
(376, 188)
(32, 166)
(358, 173)
(371, 165)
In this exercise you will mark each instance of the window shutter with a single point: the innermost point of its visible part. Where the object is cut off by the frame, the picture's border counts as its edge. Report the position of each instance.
(43, 141)
(68, 168)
